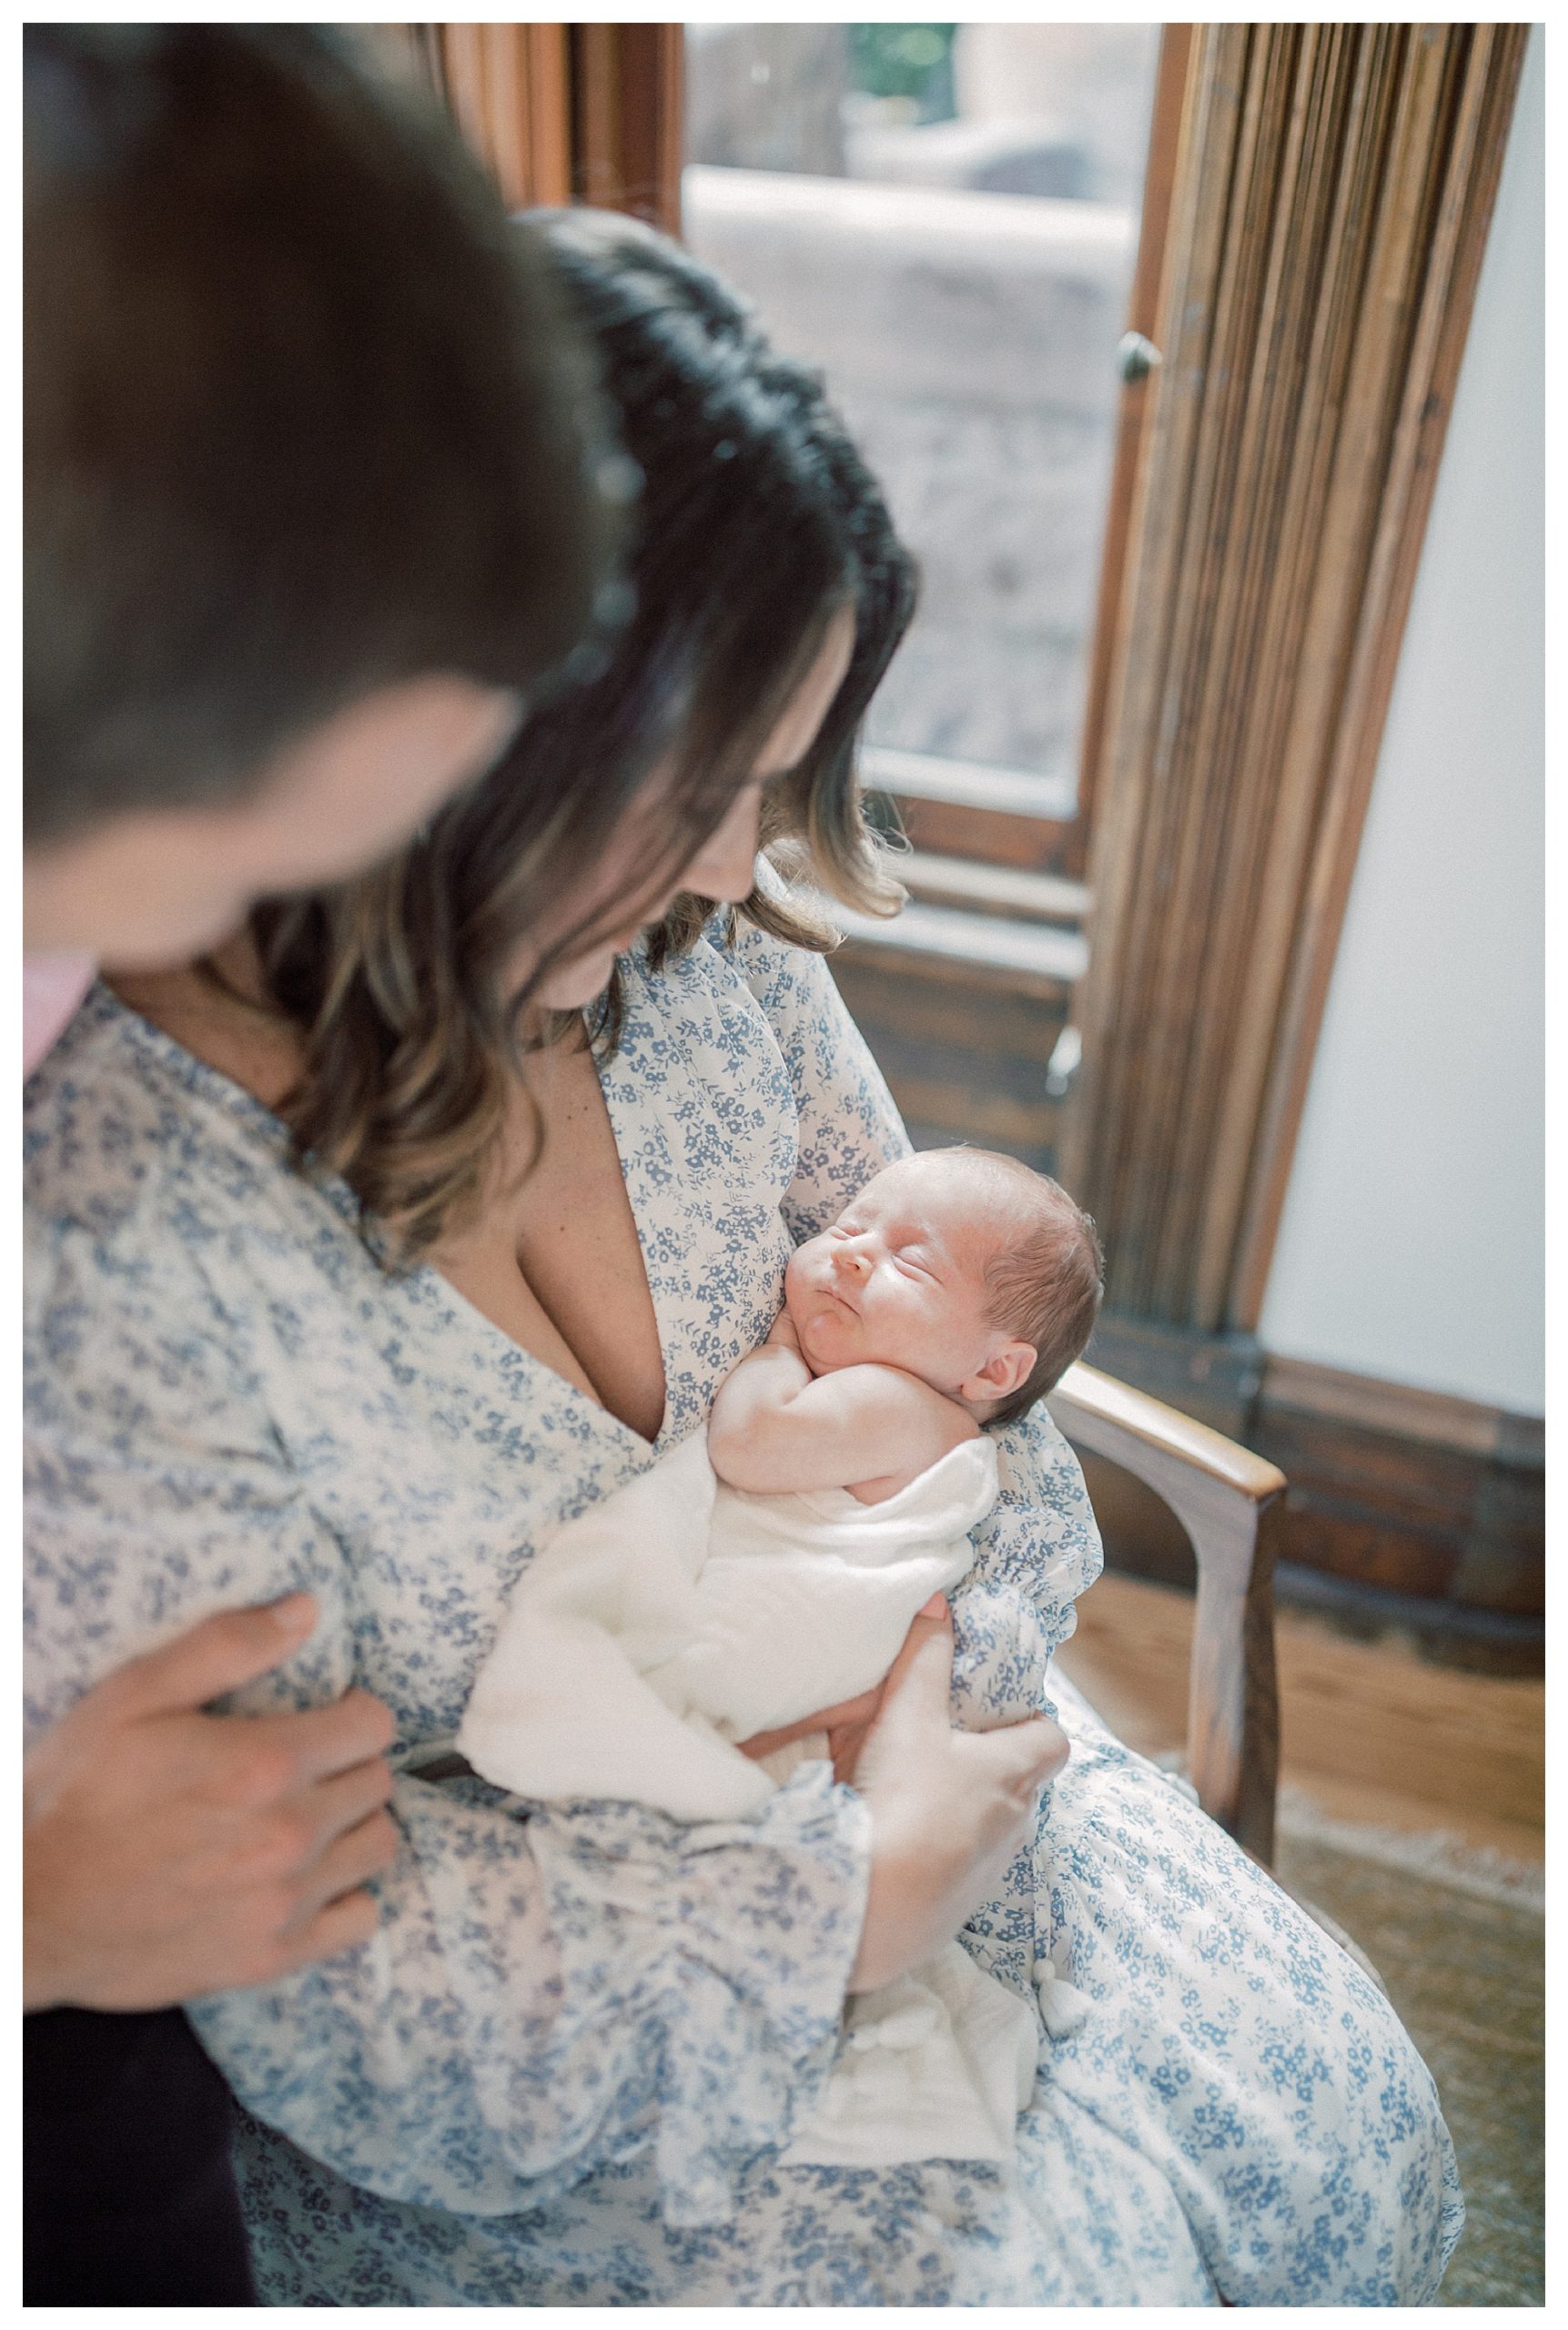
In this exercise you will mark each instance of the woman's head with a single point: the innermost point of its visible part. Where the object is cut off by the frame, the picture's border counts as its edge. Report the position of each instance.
(767, 594)
(762, 540)
(666, 846)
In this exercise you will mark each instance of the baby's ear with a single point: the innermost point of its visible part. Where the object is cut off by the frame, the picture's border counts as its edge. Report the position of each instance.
(1008, 1367)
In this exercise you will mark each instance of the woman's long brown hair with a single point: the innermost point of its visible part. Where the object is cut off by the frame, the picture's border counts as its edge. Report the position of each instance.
(757, 520)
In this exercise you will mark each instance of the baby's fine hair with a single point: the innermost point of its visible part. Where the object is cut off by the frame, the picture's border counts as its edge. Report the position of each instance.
(1046, 1284)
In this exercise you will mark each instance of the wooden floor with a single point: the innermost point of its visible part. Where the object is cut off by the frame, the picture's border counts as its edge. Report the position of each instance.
(1369, 1732)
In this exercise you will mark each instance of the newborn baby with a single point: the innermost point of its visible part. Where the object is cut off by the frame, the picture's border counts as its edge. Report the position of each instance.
(738, 1589)
(951, 1294)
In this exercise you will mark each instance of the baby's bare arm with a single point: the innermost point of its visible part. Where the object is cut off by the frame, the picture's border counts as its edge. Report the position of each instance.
(775, 1427)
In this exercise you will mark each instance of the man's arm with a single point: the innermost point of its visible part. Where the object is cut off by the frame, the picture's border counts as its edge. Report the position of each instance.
(776, 1427)
(169, 1853)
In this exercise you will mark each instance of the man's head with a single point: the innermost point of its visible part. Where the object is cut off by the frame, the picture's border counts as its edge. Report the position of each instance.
(962, 1267)
(316, 480)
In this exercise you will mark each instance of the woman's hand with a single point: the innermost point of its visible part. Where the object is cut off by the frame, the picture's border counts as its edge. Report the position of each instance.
(948, 1809)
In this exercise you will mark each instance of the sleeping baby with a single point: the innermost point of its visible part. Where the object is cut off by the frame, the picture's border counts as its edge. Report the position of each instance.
(735, 1588)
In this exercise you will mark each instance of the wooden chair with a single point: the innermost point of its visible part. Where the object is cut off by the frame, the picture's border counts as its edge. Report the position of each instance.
(1230, 1503)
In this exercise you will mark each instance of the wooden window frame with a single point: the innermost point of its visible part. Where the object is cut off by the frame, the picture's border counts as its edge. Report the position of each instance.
(1315, 209)
(566, 112)
(628, 86)
(1308, 278)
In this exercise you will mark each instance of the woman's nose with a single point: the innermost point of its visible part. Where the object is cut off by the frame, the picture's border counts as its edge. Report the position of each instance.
(726, 865)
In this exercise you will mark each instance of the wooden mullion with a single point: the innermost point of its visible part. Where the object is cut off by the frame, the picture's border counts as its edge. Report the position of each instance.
(596, 113)
(1332, 190)
(1379, 356)
(1484, 108)
(507, 111)
(1146, 983)
(1290, 427)
(1240, 591)
(1198, 680)
(1285, 513)
(1319, 663)
(506, 87)
(1142, 315)
(1197, 849)
(627, 91)
(463, 81)
(568, 112)
(1148, 611)
(548, 113)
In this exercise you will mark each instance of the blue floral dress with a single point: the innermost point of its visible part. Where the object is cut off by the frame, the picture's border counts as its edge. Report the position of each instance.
(565, 2067)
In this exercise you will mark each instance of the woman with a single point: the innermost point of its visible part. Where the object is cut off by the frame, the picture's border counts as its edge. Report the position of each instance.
(378, 1355)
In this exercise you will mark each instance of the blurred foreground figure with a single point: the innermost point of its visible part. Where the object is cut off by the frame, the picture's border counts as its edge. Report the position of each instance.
(311, 458)
(315, 496)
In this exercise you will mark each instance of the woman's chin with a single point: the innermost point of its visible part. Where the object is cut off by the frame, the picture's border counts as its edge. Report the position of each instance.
(576, 984)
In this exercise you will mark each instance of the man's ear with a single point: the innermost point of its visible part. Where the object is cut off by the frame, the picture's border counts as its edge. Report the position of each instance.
(1008, 1367)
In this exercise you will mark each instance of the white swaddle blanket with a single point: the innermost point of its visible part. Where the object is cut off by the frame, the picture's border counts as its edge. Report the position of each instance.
(678, 1616)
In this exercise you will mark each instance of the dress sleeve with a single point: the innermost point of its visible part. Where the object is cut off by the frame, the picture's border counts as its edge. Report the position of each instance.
(1036, 1551)
(1039, 1548)
(543, 1996)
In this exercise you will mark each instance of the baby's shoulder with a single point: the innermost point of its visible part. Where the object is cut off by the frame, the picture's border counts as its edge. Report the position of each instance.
(929, 1424)
(914, 1392)
(910, 1429)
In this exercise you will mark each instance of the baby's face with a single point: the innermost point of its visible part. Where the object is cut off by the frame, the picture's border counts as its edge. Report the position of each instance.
(900, 1277)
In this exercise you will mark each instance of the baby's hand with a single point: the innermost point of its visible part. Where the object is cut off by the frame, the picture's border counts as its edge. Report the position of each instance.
(846, 1725)
(751, 1400)
(782, 1332)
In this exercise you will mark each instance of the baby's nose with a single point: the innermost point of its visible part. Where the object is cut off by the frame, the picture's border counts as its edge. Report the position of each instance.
(851, 1259)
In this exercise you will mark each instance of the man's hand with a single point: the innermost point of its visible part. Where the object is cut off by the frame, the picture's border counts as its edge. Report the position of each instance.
(169, 1852)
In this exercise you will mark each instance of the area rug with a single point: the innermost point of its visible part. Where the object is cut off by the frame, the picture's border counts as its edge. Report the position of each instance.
(1457, 1937)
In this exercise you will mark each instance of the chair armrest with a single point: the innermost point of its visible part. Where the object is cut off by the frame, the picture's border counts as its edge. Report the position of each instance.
(1156, 1442)
(1230, 1502)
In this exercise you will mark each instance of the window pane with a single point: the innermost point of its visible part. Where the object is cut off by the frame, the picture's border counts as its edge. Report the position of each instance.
(944, 217)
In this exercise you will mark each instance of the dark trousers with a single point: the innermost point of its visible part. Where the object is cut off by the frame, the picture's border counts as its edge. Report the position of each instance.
(129, 2194)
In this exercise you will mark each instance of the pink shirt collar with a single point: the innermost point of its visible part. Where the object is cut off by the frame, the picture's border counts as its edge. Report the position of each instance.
(52, 988)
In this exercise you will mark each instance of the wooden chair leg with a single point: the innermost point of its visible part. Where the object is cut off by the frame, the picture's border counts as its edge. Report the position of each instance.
(1232, 1713)
(1230, 1502)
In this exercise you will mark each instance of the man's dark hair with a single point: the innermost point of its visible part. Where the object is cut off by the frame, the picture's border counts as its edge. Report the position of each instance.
(305, 417)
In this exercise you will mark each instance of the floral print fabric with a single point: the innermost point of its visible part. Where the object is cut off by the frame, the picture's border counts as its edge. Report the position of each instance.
(564, 2067)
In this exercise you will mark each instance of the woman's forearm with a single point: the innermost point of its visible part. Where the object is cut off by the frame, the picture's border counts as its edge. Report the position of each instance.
(490, 2047)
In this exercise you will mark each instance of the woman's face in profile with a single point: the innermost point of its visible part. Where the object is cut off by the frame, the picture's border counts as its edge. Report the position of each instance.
(722, 868)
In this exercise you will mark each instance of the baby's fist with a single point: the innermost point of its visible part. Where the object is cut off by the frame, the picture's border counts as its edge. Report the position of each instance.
(783, 1333)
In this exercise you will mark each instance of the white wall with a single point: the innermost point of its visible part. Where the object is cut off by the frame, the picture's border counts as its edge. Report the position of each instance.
(1411, 1244)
